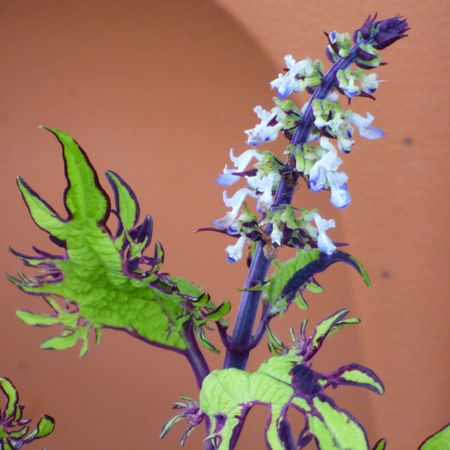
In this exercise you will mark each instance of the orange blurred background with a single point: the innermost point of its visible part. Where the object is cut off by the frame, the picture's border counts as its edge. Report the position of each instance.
(159, 91)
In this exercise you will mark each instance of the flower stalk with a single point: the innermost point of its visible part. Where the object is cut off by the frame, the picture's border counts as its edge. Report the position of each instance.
(241, 338)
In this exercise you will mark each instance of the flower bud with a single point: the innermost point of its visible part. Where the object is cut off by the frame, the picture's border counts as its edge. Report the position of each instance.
(383, 33)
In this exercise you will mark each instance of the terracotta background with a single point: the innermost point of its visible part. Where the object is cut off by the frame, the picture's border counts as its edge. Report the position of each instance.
(159, 91)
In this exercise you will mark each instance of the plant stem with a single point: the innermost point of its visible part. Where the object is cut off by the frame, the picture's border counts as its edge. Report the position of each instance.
(195, 356)
(241, 338)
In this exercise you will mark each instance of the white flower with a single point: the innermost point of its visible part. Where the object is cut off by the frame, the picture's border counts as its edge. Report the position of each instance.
(324, 243)
(288, 82)
(340, 196)
(369, 83)
(234, 202)
(364, 126)
(240, 163)
(235, 251)
(324, 172)
(264, 187)
(263, 132)
(276, 235)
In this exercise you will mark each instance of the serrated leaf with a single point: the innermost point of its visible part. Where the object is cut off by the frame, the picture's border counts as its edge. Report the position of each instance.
(92, 275)
(438, 441)
(12, 397)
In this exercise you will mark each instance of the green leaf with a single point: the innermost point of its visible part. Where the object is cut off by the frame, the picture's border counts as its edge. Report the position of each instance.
(380, 445)
(296, 274)
(279, 283)
(219, 312)
(361, 270)
(12, 397)
(85, 199)
(125, 199)
(438, 441)
(330, 325)
(169, 424)
(35, 319)
(45, 426)
(91, 274)
(60, 342)
(333, 428)
(357, 375)
(44, 216)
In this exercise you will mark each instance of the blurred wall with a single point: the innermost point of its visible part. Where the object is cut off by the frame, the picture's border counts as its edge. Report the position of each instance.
(159, 91)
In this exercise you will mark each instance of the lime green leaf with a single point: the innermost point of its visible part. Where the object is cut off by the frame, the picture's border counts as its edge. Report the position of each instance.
(31, 318)
(45, 426)
(101, 284)
(11, 396)
(14, 429)
(125, 200)
(438, 441)
(380, 445)
(296, 275)
(333, 428)
(330, 325)
(361, 270)
(357, 375)
(169, 424)
(43, 214)
(219, 312)
(283, 281)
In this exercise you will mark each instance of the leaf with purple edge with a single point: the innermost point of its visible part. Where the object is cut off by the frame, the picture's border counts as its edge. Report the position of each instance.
(438, 441)
(13, 429)
(380, 445)
(125, 200)
(334, 428)
(330, 325)
(297, 274)
(93, 274)
(44, 216)
(12, 397)
(357, 375)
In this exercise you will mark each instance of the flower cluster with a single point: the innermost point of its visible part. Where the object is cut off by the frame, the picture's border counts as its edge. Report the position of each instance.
(313, 156)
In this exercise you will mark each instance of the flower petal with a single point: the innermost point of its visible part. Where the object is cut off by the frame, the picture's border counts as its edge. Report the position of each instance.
(235, 251)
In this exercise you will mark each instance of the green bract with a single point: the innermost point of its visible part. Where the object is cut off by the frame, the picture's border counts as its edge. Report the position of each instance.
(104, 279)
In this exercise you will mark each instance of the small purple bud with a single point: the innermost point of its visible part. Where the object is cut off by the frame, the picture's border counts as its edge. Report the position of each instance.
(366, 30)
(143, 231)
(384, 32)
(390, 30)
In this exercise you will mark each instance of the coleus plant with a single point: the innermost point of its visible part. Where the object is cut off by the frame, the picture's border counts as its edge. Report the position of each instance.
(15, 431)
(103, 278)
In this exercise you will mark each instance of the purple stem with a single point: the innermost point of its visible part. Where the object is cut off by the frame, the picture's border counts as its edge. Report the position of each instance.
(241, 339)
(195, 356)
